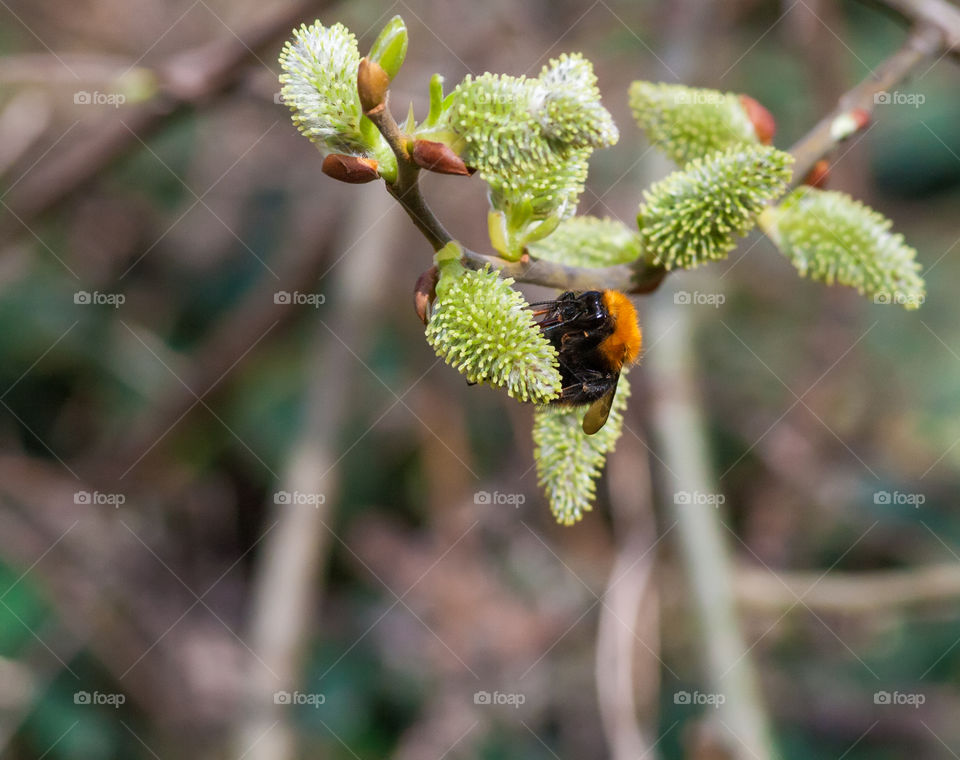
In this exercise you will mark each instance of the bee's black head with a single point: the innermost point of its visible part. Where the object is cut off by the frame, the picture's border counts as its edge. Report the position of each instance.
(581, 310)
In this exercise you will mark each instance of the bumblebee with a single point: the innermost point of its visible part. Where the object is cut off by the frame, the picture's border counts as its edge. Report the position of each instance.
(596, 334)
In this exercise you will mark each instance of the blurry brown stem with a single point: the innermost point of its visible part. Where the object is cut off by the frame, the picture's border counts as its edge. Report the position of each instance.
(289, 568)
(630, 616)
(229, 343)
(860, 593)
(939, 13)
(186, 79)
(679, 427)
(924, 42)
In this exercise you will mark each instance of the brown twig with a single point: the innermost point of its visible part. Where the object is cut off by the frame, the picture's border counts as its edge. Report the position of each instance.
(939, 13)
(937, 28)
(854, 108)
(185, 79)
(221, 352)
(628, 631)
(406, 188)
(641, 277)
(290, 566)
(862, 593)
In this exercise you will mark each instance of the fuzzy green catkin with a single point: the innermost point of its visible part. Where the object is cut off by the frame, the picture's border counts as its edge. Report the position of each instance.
(689, 122)
(481, 326)
(530, 139)
(831, 237)
(695, 214)
(588, 241)
(320, 87)
(569, 461)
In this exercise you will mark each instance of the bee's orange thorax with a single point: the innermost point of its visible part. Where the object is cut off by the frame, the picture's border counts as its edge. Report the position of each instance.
(623, 345)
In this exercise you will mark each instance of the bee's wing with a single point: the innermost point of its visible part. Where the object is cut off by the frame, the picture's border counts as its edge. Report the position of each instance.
(596, 416)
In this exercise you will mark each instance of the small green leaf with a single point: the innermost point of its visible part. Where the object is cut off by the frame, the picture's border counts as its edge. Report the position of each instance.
(589, 242)
(569, 461)
(688, 122)
(436, 100)
(390, 47)
(829, 236)
(695, 214)
(482, 326)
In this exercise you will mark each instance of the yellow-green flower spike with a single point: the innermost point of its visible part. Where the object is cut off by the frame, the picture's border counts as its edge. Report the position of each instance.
(829, 236)
(695, 214)
(570, 112)
(569, 461)
(587, 241)
(483, 328)
(688, 122)
(320, 87)
(530, 140)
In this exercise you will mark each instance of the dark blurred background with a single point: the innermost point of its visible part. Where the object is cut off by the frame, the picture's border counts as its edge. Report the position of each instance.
(235, 526)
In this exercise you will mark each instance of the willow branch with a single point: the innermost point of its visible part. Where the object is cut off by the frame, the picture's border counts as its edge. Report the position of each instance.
(936, 30)
(938, 13)
(854, 108)
(638, 277)
(406, 188)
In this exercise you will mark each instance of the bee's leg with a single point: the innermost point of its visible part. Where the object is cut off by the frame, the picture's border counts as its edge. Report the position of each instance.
(589, 385)
(596, 387)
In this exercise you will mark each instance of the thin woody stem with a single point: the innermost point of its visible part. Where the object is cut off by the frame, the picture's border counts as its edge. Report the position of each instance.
(641, 277)
(936, 32)
(406, 188)
(854, 107)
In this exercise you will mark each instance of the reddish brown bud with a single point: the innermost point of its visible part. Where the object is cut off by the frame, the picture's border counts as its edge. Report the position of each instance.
(352, 169)
(425, 292)
(372, 84)
(818, 175)
(438, 157)
(861, 117)
(762, 120)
